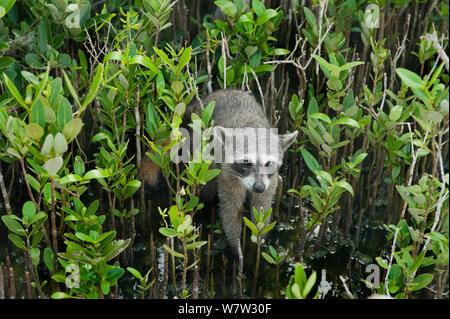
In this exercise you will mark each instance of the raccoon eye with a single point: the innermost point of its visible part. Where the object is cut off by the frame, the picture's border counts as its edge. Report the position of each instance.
(269, 163)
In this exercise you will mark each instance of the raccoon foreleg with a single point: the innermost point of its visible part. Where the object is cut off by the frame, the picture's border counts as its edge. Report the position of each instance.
(231, 199)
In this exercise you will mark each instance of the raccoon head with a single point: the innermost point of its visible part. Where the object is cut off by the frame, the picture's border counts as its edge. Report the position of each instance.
(254, 154)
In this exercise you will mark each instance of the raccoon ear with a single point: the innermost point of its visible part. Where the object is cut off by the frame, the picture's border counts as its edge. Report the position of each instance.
(287, 140)
(223, 134)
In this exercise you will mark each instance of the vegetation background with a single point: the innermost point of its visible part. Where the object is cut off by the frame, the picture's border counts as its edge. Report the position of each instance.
(91, 91)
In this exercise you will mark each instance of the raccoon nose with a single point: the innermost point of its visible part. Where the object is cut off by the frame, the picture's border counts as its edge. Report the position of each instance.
(259, 187)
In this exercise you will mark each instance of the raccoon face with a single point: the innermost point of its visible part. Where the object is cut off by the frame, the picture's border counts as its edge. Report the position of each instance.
(255, 174)
(256, 154)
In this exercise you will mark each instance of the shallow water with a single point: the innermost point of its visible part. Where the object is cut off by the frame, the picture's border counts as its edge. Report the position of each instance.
(336, 257)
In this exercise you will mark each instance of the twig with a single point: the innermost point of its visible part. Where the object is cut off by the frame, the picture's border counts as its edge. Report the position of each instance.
(2, 285)
(349, 294)
(208, 64)
(4, 193)
(259, 88)
(413, 164)
(437, 46)
(12, 285)
(442, 195)
(166, 270)
(224, 55)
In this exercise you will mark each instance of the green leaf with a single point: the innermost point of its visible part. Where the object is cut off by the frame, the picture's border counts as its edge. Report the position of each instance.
(78, 166)
(420, 282)
(72, 129)
(34, 131)
(5, 62)
(210, 174)
(346, 121)
(381, 262)
(312, 107)
(396, 113)
(70, 178)
(36, 239)
(173, 252)
(60, 295)
(258, 6)
(250, 225)
(105, 286)
(56, 91)
(85, 237)
(268, 258)
(433, 116)
(34, 183)
(295, 289)
(309, 284)
(350, 65)
(38, 113)
(263, 68)
(28, 211)
(176, 87)
(59, 144)
(265, 16)
(38, 217)
(98, 78)
(96, 173)
(48, 145)
(273, 252)
(410, 78)
(64, 113)
(310, 161)
(135, 273)
(40, 88)
(49, 259)
(16, 94)
(250, 50)
(207, 112)
(227, 7)
(195, 245)
(13, 225)
(323, 175)
(320, 116)
(3, 46)
(417, 262)
(334, 69)
(53, 165)
(35, 254)
(168, 232)
(180, 108)
(334, 84)
(346, 186)
(309, 15)
(71, 89)
(268, 227)
(114, 274)
(184, 58)
(144, 61)
(116, 248)
(281, 51)
(299, 275)
(16, 240)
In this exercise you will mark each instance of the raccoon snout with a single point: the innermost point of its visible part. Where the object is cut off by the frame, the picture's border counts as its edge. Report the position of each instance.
(259, 187)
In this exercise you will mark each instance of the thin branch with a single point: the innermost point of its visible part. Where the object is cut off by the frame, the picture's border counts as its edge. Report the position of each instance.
(437, 46)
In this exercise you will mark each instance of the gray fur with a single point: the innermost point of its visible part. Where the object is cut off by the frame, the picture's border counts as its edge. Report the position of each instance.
(239, 109)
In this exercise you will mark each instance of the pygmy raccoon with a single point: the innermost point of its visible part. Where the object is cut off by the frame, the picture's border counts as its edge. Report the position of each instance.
(241, 124)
